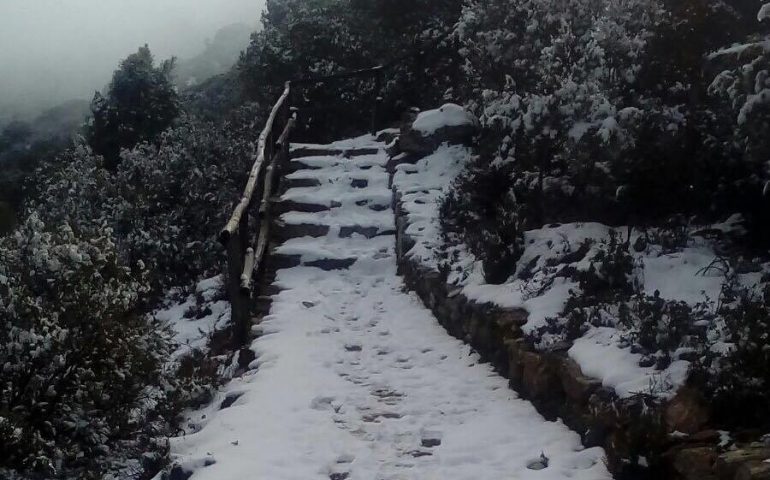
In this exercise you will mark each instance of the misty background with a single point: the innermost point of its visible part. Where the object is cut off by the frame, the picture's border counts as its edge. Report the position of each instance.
(53, 51)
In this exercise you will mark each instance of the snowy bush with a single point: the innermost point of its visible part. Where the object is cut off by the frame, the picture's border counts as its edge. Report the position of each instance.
(599, 110)
(165, 202)
(484, 217)
(743, 89)
(611, 269)
(735, 370)
(75, 354)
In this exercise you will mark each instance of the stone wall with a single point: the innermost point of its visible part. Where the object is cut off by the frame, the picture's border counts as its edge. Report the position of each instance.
(642, 436)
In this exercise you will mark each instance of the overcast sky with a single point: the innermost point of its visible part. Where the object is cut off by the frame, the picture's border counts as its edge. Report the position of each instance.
(54, 50)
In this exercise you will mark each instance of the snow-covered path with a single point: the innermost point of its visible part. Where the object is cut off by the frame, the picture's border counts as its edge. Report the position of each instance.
(356, 380)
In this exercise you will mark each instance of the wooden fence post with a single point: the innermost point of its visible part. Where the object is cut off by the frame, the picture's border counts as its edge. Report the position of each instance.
(234, 271)
(377, 102)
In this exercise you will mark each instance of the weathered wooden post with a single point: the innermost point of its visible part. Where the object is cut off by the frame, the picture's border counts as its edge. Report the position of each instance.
(377, 101)
(234, 245)
(240, 307)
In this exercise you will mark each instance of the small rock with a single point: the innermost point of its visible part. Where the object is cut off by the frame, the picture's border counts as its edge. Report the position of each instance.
(431, 442)
(419, 453)
(640, 244)
(178, 473)
(230, 400)
(647, 361)
(705, 436)
(539, 464)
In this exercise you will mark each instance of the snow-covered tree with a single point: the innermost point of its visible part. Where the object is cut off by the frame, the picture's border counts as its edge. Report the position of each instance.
(597, 109)
(304, 39)
(139, 104)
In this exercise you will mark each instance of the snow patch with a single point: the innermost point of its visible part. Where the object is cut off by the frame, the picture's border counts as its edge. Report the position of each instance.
(694, 274)
(194, 332)
(600, 356)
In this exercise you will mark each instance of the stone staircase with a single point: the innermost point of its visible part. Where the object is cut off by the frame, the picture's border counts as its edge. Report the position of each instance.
(333, 208)
(351, 376)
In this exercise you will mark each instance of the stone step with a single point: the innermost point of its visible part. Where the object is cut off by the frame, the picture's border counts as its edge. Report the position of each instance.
(279, 206)
(338, 176)
(343, 217)
(368, 232)
(339, 223)
(282, 231)
(352, 181)
(281, 260)
(316, 163)
(302, 182)
(261, 305)
(378, 198)
(310, 150)
(330, 253)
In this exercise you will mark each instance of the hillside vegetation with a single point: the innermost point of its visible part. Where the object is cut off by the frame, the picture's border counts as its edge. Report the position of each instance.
(649, 116)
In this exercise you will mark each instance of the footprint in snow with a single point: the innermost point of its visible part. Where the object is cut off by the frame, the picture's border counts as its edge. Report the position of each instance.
(346, 458)
(430, 438)
(322, 403)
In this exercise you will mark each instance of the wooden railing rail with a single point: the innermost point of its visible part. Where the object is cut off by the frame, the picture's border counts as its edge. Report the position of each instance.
(244, 252)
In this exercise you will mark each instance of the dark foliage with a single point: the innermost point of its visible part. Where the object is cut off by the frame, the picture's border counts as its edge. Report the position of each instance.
(140, 103)
(307, 39)
(739, 381)
(597, 117)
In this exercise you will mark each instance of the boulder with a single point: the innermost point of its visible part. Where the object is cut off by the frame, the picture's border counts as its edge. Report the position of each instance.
(729, 463)
(756, 470)
(516, 351)
(687, 412)
(539, 378)
(449, 124)
(696, 463)
(511, 320)
(576, 386)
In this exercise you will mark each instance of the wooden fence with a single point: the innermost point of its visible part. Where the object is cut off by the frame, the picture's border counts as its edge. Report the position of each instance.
(247, 234)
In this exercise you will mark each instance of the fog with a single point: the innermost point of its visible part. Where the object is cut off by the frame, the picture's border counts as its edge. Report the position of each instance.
(56, 50)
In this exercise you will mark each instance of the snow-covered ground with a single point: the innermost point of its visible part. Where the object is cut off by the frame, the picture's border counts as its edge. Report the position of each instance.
(192, 324)
(692, 274)
(355, 379)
